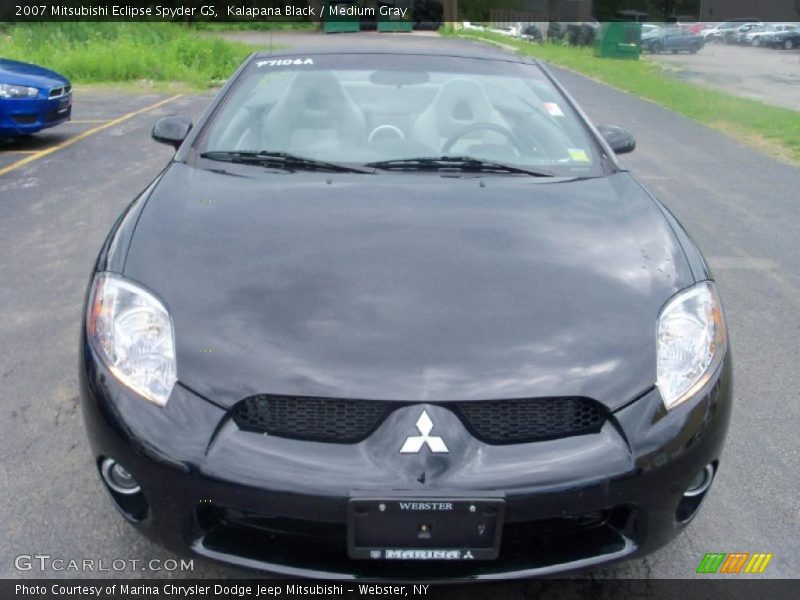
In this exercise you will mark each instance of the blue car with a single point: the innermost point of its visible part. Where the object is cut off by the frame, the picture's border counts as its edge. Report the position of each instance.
(32, 98)
(672, 39)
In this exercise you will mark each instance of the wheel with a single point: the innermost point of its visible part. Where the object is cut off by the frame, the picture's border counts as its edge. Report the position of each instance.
(788, 44)
(695, 48)
(513, 139)
(656, 48)
(756, 42)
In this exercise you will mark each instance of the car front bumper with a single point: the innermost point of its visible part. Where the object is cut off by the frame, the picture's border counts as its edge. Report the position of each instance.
(23, 116)
(280, 505)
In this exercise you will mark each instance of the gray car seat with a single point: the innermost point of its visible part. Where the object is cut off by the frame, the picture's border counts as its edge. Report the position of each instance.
(315, 115)
(459, 103)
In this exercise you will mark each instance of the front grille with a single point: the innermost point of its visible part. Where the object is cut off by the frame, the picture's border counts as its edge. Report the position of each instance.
(308, 418)
(348, 421)
(24, 119)
(531, 419)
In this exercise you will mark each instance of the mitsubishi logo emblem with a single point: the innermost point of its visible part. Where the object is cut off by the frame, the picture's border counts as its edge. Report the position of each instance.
(414, 443)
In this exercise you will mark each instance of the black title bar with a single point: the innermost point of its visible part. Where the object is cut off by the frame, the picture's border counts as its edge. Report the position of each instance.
(728, 588)
(416, 10)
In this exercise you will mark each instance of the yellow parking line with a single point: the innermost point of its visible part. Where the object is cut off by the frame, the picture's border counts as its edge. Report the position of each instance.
(82, 121)
(84, 135)
(18, 152)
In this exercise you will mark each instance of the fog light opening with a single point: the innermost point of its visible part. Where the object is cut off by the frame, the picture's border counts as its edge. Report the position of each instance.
(118, 478)
(124, 490)
(701, 482)
(694, 494)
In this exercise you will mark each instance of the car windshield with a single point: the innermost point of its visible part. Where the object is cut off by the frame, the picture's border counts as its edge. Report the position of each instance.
(367, 109)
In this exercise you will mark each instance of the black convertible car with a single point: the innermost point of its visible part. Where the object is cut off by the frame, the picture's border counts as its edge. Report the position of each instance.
(402, 316)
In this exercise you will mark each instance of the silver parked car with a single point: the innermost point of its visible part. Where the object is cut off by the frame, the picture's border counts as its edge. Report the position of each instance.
(769, 33)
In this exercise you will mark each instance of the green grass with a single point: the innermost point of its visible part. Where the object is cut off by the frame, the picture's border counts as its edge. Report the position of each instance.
(772, 129)
(124, 52)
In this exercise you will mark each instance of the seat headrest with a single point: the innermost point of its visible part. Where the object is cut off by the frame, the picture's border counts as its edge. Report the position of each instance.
(314, 108)
(314, 96)
(460, 102)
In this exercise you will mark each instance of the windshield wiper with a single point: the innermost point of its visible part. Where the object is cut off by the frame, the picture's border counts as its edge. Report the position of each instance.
(281, 160)
(467, 164)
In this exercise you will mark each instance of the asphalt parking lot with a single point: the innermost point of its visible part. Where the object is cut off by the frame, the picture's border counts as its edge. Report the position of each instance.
(763, 74)
(61, 191)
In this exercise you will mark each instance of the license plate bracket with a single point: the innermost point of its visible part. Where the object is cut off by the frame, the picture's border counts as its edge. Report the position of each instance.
(424, 526)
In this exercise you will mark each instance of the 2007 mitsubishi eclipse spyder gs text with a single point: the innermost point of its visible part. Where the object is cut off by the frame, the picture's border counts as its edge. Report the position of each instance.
(388, 312)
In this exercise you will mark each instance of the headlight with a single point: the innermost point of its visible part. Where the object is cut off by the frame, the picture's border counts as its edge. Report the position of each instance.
(132, 332)
(17, 91)
(691, 343)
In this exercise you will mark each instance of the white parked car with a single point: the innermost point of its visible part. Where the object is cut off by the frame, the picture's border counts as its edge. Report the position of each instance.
(720, 30)
(648, 27)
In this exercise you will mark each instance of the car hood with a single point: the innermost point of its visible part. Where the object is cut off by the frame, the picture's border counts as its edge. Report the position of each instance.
(407, 286)
(20, 73)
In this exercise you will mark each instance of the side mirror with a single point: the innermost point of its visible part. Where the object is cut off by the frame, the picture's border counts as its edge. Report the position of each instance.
(620, 140)
(172, 130)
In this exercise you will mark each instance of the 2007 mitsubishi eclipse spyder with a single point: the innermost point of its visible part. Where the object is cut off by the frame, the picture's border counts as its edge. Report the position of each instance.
(402, 316)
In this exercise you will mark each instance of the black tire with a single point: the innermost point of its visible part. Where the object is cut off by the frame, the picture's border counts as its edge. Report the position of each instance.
(788, 44)
(756, 42)
(694, 48)
(427, 14)
(532, 33)
(585, 35)
(572, 34)
(656, 48)
(554, 31)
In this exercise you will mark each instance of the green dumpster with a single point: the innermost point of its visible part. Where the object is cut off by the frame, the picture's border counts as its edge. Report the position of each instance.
(391, 17)
(341, 16)
(621, 39)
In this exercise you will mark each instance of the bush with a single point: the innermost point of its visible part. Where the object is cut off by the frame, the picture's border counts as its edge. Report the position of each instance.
(113, 52)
